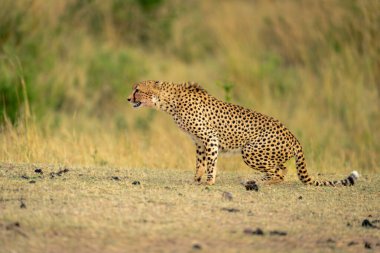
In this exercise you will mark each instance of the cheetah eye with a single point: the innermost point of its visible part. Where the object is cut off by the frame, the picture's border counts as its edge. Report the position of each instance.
(136, 90)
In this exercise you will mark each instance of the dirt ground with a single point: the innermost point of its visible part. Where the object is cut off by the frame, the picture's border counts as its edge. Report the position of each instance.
(78, 209)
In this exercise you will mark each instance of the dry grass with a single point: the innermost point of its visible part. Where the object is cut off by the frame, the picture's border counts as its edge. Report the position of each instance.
(86, 210)
(318, 76)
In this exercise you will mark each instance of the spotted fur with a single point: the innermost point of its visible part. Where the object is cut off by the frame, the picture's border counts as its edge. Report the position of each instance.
(216, 127)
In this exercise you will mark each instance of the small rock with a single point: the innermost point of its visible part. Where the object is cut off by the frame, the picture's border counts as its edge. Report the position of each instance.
(352, 243)
(300, 197)
(136, 182)
(349, 224)
(279, 233)
(230, 210)
(22, 204)
(250, 231)
(32, 182)
(12, 225)
(227, 196)
(367, 245)
(59, 173)
(366, 223)
(65, 170)
(39, 171)
(197, 246)
(251, 186)
(115, 178)
(24, 177)
(258, 231)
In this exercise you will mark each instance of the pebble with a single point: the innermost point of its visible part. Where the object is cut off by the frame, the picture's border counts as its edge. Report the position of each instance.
(227, 196)
(250, 231)
(136, 182)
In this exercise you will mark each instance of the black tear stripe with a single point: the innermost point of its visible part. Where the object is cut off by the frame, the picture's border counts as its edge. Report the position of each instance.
(134, 93)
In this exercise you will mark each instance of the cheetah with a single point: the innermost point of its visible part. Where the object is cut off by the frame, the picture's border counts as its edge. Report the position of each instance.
(217, 127)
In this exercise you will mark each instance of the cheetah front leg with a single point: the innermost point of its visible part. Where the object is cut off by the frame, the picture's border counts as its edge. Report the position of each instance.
(200, 161)
(211, 150)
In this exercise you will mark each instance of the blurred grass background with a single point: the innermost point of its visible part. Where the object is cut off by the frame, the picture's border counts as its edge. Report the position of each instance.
(66, 68)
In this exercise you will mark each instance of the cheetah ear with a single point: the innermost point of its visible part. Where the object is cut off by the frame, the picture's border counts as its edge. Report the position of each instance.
(194, 85)
(158, 82)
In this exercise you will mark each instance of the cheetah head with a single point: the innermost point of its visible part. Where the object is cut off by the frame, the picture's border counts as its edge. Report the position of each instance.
(145, 93)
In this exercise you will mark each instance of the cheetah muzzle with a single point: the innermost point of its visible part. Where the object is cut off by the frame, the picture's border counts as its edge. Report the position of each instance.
(215, 126)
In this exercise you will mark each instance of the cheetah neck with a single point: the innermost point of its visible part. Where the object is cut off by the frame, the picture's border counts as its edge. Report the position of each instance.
(168, 97)
(171, 95)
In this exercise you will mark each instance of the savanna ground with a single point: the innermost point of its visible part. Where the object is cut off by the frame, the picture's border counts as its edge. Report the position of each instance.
(104, 209)
(66, 68)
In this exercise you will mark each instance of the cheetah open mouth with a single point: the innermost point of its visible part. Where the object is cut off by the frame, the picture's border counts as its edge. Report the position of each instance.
(136, 104)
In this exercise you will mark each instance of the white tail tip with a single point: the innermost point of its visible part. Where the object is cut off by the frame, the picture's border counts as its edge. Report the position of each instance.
(355, 174)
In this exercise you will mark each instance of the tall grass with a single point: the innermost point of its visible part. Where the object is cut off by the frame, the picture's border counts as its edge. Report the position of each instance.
(67, 67)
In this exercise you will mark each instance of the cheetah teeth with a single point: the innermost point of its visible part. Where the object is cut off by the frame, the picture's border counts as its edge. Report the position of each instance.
(136, 104)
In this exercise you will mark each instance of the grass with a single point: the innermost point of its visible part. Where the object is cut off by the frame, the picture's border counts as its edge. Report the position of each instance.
(99, 209)
(67, 67)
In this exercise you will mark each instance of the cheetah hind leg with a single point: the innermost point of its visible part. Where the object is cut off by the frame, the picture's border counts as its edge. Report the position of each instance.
(283, 170)
(275, 175)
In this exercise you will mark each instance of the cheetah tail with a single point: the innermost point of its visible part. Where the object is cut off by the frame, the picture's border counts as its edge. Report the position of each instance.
(306, 179)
